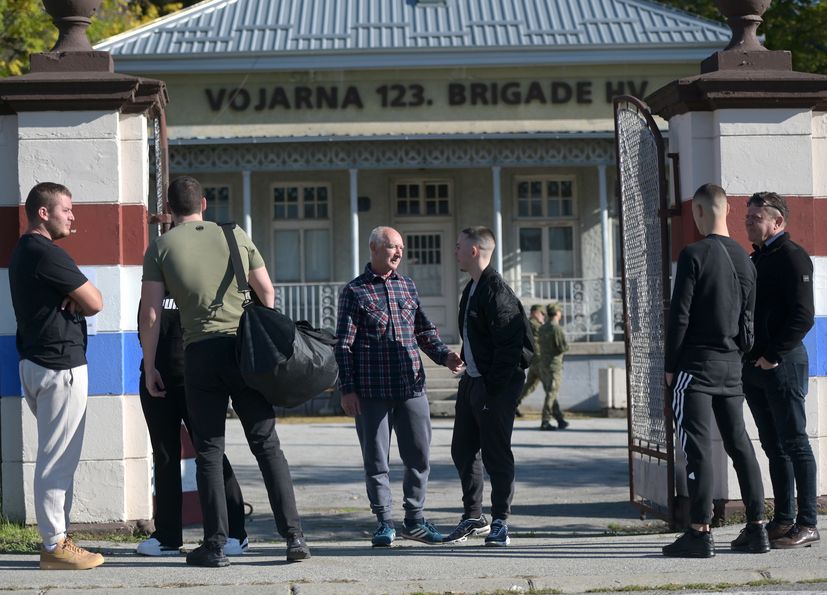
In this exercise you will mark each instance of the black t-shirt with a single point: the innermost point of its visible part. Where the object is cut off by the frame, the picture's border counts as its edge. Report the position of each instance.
(169, 356)
(41, 275)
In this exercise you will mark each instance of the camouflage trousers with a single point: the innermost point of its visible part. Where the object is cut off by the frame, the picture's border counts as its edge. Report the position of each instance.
(550, 379)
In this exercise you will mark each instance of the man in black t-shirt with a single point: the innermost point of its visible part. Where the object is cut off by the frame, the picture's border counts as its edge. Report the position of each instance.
(714, 283)
(50, 297)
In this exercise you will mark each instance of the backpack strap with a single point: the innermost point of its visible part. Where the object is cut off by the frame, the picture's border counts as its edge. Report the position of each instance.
(734, 273)
(235, 258)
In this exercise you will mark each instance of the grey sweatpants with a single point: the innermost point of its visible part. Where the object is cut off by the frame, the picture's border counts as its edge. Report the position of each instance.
(58, 400)
(411, 421)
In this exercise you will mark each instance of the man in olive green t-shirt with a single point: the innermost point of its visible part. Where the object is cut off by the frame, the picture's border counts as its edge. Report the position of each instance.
(187, 260)
(192, 262)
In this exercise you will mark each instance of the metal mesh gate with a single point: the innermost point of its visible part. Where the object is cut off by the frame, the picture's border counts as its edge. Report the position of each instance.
(160, 170)
(643, 208)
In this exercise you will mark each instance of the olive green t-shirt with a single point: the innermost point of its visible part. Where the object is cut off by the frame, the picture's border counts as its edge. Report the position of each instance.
(193, 261)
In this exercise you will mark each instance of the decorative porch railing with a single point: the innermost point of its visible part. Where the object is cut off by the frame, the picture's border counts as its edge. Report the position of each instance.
(582, 300)
(314, 302)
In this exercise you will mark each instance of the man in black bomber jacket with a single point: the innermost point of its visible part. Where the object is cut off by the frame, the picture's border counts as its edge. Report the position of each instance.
(496, 347)
(776, 369)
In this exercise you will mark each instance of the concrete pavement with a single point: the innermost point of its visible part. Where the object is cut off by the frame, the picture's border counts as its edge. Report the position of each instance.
(570, 527)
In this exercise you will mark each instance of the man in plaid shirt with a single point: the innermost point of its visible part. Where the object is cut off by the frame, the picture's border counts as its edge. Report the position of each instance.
(381, 325)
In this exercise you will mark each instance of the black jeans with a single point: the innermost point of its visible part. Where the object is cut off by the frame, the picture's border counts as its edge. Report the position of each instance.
(694, 411)
(163, 420)
(483, 426)
(211, 377)
(776, 399)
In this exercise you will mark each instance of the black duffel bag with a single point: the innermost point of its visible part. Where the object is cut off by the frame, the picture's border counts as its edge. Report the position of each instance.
(287, 362)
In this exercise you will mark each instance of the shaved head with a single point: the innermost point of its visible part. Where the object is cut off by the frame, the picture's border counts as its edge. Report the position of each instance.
(712, 197)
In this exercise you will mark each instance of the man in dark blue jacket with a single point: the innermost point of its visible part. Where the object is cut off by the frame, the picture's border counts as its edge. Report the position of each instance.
(496, 347)
(776, 369)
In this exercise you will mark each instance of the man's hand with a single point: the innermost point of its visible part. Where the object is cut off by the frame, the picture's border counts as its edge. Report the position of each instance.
(351, 405)
(454, 362)
(71, 305)
(762, 363)
(154, 383)
(668, 376)
(87, 298)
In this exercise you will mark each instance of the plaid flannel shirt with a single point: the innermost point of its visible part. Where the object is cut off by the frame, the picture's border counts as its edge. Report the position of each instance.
(380, 325)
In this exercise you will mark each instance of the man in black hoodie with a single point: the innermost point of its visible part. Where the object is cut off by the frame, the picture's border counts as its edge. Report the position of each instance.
(496, 347)
(714, 292)
(776, 369)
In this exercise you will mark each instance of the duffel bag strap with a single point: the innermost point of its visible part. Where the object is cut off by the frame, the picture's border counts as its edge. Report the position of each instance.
(235, 258)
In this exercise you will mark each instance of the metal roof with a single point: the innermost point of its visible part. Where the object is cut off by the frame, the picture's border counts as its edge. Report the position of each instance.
(290, 28)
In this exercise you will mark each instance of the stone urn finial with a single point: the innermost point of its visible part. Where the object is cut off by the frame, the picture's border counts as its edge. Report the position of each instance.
(744, 18)
(71, 17)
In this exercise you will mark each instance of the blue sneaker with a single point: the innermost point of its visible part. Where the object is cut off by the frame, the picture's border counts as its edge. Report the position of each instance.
(384, 535)
(422, 531)
(499, 534)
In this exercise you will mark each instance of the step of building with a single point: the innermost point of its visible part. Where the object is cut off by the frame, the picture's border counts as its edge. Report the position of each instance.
(445, 408)
(441, 386)
(442, 394)
(441, 383)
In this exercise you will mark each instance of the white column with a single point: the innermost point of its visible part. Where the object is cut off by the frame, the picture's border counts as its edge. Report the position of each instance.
(247, 194)
(354, 223)
(498, 217)
(606, 243)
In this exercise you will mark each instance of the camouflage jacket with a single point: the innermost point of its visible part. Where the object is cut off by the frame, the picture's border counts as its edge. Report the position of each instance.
(552, 345)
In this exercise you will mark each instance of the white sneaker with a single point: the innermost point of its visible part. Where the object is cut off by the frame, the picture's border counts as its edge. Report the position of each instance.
(153, 547)
(234, 547)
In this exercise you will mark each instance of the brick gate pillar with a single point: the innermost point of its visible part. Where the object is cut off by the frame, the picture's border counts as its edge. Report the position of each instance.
(74, 121)
(750, 123)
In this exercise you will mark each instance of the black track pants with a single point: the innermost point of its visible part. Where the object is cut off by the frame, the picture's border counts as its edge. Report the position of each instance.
(694, 411)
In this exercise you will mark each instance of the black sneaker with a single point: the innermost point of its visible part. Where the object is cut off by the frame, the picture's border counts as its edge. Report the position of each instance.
(467, 528)
(692, 544)
(297, 549)
(562, 424)
(547, 427)
(753, 539)
(208, 555)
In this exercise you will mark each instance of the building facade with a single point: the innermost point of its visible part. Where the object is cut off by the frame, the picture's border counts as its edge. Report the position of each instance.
(312, 122)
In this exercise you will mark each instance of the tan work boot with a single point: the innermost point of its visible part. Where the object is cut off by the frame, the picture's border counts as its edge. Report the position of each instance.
(68, 556)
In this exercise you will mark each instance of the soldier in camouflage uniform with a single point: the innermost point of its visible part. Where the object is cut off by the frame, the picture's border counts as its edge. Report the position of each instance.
(536, 318)
(552, 345)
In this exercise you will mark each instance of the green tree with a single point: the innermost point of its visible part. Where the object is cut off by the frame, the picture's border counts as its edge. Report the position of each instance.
(799, 26)
(27, 29)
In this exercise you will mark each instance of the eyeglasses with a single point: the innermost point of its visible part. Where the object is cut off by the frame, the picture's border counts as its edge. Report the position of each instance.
(763, 204)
